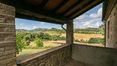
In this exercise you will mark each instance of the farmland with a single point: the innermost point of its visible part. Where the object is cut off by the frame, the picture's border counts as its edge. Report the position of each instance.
(32, 41)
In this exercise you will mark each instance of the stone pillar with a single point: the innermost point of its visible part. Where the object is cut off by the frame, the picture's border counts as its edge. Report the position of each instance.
(111, 29)
(69, 32)
(114, 26)
(7, 35)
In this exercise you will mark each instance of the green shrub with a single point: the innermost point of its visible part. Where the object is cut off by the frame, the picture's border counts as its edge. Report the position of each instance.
(19, 43)
(38, 42)
(96, 40)
(27, 38)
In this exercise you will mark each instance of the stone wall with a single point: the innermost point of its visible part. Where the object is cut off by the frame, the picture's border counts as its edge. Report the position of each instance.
(54, 57)
(7, 35)
(111, 29)
(94, 56)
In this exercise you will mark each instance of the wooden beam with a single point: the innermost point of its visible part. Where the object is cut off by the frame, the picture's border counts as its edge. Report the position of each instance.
(76, 7)
(20, 4)
(70, 8)
(80, 8)
(86, 9)
(69, 32)
(39, 16)
(43, 3)
(59, 6)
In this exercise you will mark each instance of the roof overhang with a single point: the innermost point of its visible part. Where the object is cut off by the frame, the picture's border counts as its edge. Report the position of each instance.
(54, 11)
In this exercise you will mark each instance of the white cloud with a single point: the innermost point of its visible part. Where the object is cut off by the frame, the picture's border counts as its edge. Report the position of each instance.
(98, 14)
(34, 27)
(81, 17)
(92, 20)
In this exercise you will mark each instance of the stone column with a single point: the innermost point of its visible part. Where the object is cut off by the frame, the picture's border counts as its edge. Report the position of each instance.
(114, 26)
(111, 29)
(69, 32)
(7, 35)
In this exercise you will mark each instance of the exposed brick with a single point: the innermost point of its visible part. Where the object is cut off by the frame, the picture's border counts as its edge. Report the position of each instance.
(7, 43)
(6, 61)
(1, 50)
(6, 29)
(7, 10)
(7, 56)
(7, 35)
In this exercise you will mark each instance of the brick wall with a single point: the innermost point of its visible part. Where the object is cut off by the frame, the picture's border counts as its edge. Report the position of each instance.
(111, 29)
(7, 35)
(53, 57)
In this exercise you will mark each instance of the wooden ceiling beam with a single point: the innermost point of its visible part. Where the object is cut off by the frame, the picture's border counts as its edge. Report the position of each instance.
(59, 6)
(22, 5)
(93, 4)
(82, 7)
(38, 16)
(70, 7)
(76, 7)
(43, 3)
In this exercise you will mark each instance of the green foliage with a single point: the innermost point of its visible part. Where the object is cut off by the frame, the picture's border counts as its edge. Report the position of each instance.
(24, 39)
(96, 40)
(38, 42)
(19, 43)
(90, 31)
(45, 36)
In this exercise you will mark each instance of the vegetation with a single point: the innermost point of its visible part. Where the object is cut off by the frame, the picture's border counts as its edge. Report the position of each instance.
(38, 42)
(90, 31)
(96, 40)
(19, 43)
(24, 38)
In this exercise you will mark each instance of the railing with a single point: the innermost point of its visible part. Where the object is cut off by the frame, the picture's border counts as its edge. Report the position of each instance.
(57, 56)
(94, 56)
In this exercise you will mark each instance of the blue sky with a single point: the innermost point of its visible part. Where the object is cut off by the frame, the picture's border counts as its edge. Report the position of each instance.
(91, 18)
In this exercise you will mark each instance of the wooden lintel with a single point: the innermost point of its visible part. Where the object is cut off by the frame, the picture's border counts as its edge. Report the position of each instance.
(39, 16)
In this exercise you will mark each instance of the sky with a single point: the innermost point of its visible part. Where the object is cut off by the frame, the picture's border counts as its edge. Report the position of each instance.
(90, 19)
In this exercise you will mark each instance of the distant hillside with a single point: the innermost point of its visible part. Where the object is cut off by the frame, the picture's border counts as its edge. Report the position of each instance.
(21, 30)
(40, 29)
(99, 30)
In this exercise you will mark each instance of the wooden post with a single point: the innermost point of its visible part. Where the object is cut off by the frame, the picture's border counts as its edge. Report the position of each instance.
(69, 32)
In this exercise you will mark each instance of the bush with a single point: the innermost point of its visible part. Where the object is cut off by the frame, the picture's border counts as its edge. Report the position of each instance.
(27, 38)
(38, 42)
(96, 40)
(19, 43)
